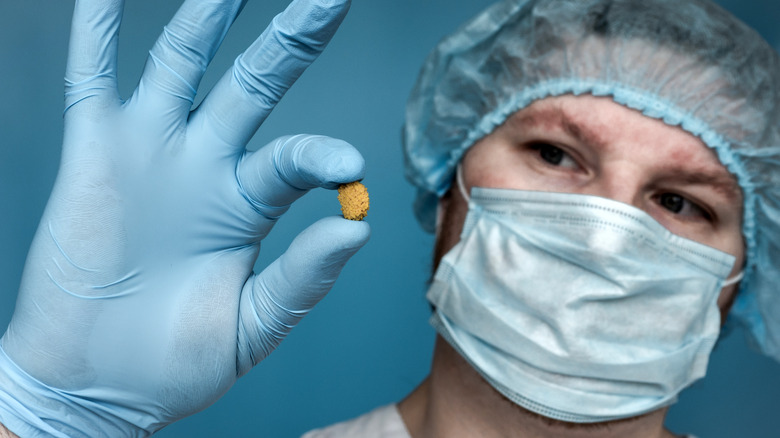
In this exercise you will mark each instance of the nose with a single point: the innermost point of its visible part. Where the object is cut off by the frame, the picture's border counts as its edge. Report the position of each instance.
(621, 182)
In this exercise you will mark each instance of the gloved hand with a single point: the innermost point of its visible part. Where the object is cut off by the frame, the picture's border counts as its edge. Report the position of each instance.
(138, 305)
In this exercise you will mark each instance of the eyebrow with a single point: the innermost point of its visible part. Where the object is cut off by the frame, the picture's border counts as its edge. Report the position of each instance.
(558, 117)
(720, 180)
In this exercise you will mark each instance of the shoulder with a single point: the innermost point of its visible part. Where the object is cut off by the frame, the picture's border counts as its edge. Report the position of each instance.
(382, 422)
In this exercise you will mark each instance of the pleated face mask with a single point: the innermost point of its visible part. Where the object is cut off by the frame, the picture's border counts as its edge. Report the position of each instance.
(579, 308)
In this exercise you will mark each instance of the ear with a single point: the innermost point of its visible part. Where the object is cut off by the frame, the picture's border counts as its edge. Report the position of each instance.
(441, 207)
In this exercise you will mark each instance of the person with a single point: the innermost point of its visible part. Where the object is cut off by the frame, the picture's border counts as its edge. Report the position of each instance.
(599, 175)
(602, 180)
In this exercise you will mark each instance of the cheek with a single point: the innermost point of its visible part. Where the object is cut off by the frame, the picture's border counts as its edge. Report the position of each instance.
(498, 168)
(731, 241)
(500, 181)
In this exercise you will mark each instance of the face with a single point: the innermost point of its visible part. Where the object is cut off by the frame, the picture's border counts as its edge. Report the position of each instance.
(594, 146)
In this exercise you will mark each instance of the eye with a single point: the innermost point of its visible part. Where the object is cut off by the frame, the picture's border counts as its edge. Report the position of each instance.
(553, 155)
(682, 206)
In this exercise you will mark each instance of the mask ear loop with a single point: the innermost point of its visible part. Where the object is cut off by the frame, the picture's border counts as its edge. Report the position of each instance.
(461, 189)
(461, 186)
(734, 279)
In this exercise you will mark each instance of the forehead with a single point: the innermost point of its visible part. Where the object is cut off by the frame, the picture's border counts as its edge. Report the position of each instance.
(613, 130)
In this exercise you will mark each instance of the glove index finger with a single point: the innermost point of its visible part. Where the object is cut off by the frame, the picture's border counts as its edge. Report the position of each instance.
(282, 171)
(92, 51)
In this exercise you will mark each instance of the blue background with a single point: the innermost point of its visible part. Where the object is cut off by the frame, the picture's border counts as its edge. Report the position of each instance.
(368, 343)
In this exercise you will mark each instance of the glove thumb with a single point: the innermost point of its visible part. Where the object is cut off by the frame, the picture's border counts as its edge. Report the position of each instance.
(273, 301)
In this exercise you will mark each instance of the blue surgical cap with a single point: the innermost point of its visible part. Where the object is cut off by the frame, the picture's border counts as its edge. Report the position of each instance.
(688, 63)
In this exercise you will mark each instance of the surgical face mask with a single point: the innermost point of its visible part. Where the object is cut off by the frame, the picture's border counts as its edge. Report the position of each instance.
(576, 307)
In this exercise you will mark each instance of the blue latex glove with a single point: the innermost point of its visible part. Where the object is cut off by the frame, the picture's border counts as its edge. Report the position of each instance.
(138, 305)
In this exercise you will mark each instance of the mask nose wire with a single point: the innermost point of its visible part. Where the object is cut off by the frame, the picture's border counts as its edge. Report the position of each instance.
(461, 186)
